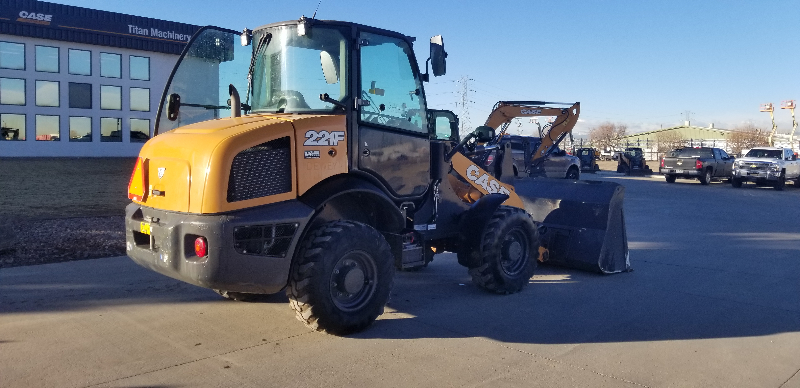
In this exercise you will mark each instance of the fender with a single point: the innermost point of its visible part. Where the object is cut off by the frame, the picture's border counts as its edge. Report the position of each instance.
(391, 218)
(471, 226)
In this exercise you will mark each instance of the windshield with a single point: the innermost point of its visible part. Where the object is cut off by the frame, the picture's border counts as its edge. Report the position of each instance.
(772, 154)
(634, 151)
(293, 71)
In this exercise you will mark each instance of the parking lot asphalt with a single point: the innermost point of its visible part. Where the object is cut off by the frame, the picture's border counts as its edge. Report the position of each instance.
(713, 301)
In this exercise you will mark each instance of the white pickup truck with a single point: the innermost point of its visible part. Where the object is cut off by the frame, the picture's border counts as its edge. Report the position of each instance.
(767, 166)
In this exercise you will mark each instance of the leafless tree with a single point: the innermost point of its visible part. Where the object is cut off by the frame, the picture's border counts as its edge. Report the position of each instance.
(606, 136)
(746, 136)
(668, 141)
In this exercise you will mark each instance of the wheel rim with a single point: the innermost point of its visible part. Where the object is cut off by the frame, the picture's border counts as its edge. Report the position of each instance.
(708, 176)
(353, 281)
(514, 252)
(572, 174)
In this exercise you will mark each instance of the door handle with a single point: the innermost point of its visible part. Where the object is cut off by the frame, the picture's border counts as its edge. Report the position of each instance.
(365, 152)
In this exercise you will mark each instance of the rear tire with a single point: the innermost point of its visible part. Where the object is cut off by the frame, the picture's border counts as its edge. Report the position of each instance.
(508, 249)
(705, 179)
(341, 278)
(670, 178)
(736, 182)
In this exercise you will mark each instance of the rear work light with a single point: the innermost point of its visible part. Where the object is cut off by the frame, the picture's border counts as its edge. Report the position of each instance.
(698, 164)
(200, 247)
(137, 187)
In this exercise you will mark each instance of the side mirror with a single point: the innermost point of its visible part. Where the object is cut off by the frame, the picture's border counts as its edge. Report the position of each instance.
(173, 106)
(484, 134)
(438, 56)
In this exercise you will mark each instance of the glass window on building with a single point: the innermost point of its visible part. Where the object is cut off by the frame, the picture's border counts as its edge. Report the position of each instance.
(110, 65)
(140, 99)
(12, 56)
(111, 97)
(110, 129)
(140, 68)
(12, 127)
(140, 130)
(47, 59)
(47, 128)
(12, 91)
(80, 129)
(80, 95)
(47, 93)
(80, 62)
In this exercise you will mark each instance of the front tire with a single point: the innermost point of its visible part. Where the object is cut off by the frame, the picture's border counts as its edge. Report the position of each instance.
(341, 278)
(736, 182)
(573, 173)
(508, 248)
(781, 183)
(670, 178)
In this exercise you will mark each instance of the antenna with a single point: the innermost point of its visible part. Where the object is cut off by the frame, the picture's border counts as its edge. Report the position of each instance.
(314, 16)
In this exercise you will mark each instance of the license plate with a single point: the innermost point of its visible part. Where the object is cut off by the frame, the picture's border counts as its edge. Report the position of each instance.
(144, 227)
(679, 171)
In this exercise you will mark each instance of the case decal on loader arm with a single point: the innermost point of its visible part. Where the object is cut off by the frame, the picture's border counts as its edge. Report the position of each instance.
(483, 181)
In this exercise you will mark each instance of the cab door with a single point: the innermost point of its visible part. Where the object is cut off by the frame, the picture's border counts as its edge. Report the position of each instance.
(392, 124)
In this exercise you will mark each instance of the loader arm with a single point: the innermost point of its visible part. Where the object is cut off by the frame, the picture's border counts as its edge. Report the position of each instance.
(565, 120)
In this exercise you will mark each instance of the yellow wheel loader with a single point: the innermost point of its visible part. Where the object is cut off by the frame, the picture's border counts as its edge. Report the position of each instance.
(302, 156)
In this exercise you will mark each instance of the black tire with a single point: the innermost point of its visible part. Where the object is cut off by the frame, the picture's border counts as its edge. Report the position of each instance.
(736, 182)
(620, 169)
(596, 167)
(341, 278)
(573, 173)
(237, 296)
(508, 252)
(705, 179)
(797, 182)
(781, 183)
(670, 178)
(626, 170)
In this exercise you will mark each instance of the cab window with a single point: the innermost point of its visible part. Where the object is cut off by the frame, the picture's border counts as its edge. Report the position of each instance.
(391, 92)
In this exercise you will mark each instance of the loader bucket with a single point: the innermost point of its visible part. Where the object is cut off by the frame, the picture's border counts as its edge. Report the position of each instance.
(582, 224)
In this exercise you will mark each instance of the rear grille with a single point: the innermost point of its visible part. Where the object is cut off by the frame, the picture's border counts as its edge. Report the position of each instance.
(264, 240)
(261, 171)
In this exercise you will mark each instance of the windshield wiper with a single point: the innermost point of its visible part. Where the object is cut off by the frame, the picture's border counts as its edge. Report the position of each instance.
(327, 98)
(263, 42)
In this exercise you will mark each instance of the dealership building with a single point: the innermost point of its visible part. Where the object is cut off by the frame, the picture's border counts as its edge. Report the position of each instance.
(81, 82)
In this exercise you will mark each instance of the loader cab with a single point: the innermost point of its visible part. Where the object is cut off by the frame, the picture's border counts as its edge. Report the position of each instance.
(315, 67)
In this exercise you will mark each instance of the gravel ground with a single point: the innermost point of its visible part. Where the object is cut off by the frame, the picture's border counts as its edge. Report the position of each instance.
(66, 239)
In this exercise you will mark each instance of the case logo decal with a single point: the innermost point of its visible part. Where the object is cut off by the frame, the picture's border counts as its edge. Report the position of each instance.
(485, 181)
(323, 138)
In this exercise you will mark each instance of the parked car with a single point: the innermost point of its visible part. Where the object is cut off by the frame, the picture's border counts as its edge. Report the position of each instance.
(767, 166)
(557, 165)
(702, 163)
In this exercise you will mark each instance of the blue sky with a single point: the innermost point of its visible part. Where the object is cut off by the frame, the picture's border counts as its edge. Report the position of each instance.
(639, 63)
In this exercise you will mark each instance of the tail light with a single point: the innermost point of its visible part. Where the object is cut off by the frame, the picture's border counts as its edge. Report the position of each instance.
(662, 162)
(698, 164)
(137, 187)
(489, 159)
(200, 247)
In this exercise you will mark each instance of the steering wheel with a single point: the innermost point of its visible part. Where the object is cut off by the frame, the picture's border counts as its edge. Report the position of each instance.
(291, 99)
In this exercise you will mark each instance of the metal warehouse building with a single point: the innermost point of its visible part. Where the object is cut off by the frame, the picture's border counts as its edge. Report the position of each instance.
(81, 82)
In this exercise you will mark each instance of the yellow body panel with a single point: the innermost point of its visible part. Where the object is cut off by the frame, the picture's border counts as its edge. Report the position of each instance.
(483, 181)
(188, 168)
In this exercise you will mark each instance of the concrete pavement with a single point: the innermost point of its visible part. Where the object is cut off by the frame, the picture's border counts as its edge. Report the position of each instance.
(713, 301)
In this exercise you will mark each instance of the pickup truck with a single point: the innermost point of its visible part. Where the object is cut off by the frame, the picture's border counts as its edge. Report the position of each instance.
(702, 163)
(767, 166)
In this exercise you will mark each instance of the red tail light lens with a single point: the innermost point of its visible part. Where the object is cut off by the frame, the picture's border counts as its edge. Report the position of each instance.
(489, 160)
(662, 162)
(698, 164)
(200, 247)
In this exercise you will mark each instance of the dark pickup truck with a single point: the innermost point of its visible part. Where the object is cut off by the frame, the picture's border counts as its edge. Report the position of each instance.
(703, 163)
